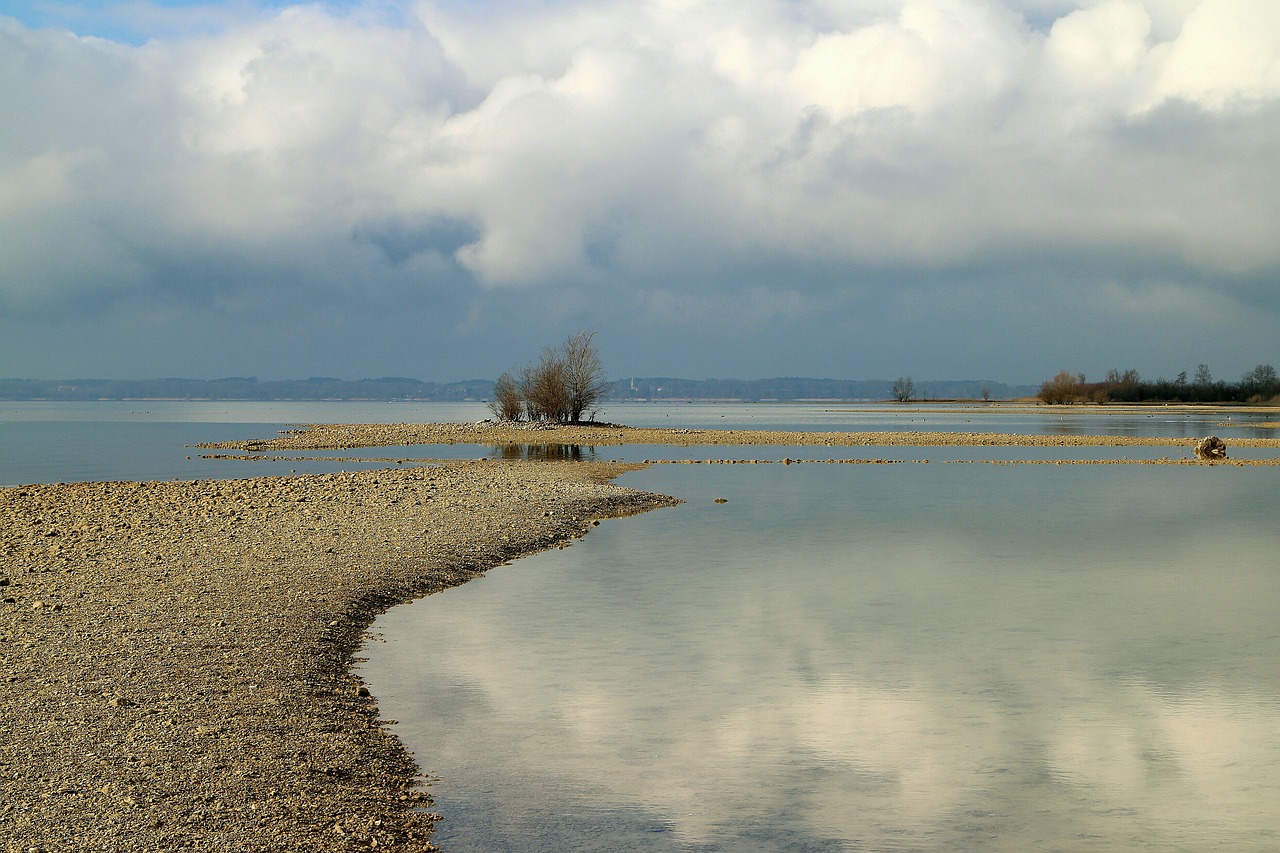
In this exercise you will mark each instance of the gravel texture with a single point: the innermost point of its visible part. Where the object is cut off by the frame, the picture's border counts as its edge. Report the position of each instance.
(339, 436)
(177, 655)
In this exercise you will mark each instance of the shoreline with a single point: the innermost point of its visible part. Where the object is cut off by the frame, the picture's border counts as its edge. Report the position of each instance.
(178, 654)
(348, 436)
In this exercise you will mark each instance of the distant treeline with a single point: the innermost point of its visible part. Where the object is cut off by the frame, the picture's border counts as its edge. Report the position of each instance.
(1260, 386)
(787, 389)
(250, 388)
(244, 388)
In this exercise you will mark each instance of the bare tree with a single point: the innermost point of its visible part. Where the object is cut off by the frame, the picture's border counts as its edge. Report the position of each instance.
(903, 389)
(566, 383)
(584, 375)
(507, 403)
(1261, 382)
(545, 391)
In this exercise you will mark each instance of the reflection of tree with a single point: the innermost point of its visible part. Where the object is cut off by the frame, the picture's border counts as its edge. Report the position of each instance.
(544, 452)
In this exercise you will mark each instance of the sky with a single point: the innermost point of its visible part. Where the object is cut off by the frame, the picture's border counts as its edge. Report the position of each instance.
(947, 189)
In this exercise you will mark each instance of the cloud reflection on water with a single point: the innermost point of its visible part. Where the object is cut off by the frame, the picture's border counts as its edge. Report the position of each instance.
(929, 658)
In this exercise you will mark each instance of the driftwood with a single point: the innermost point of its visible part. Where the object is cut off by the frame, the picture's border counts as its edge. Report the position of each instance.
(1211, 449)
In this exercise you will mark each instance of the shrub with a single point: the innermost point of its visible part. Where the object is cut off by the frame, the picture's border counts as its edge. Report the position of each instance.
(583, 376)
(546, 395)
(507, 403)
(565, 384)
(1062, 389)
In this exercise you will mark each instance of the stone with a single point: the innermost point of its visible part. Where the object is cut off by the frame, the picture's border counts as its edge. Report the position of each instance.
(1211, 449)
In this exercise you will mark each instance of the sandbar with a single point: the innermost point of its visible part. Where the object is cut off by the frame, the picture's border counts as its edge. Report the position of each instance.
(344, 436)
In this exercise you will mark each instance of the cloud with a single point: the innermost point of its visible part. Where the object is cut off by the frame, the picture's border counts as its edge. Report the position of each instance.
(329, 156)
(932, 57)
(1227, 54)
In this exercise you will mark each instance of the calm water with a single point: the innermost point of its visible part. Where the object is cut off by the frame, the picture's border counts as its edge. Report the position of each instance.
(146, 440)
(153, 440)
(871, 658)
(926, 657)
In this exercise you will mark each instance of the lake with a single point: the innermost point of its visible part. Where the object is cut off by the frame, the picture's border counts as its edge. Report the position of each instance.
(48, 442)
(924, 657)
(154, 440)
(909, 657)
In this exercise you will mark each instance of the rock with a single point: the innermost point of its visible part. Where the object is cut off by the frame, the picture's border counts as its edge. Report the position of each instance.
(1211, 449)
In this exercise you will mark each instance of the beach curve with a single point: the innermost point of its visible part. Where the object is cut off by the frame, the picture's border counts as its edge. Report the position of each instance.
(178, 654)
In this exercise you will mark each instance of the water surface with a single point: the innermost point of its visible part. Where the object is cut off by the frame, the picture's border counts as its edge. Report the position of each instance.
(154, 440)
(908, 657)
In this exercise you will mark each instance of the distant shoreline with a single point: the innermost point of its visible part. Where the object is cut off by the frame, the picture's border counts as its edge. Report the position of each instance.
(244, 389)
(968, 404)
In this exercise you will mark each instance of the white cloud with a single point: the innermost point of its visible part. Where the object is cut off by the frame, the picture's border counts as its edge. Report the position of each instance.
(1228, 54)
(933, 56)
(1093, 50)
(620, 145)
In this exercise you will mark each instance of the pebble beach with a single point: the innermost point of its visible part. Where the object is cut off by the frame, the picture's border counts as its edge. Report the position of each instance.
(343, 436)
(177, 655)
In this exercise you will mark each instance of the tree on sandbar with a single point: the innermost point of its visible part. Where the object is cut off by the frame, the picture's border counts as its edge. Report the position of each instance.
(567, 383)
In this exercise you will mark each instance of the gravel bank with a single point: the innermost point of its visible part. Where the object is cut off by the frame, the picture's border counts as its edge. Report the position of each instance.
(176, 655)
(340, 436)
